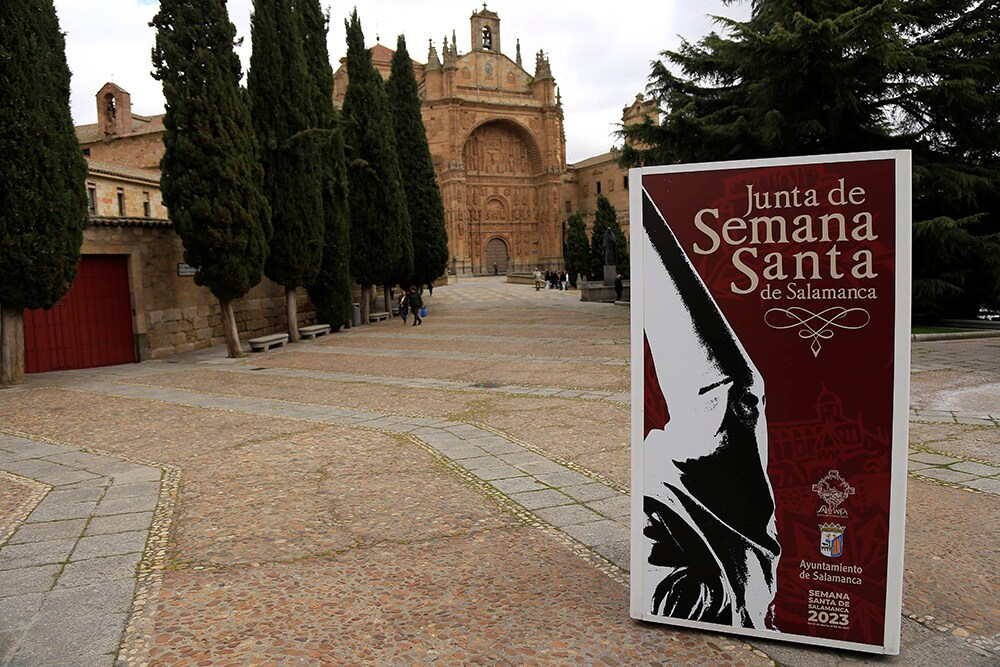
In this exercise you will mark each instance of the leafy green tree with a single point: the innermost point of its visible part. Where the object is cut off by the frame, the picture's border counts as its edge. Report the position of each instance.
(949, 118)
(43, 198)
(211, 177)
(279, 87)
(803, 77)
(606, 218)
(577, 256)
(423, 196)
(379, 219)
(330, 291)
(800, 77)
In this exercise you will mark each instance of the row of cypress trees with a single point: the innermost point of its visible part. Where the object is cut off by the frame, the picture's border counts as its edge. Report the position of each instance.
(272, 179)
(257, 181)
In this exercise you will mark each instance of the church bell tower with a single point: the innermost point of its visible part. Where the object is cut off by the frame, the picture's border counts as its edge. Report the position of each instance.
(485, 31)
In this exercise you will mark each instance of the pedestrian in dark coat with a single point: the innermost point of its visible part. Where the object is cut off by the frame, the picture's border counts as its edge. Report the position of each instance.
(619, 287)
(416, 303)
(404, 305)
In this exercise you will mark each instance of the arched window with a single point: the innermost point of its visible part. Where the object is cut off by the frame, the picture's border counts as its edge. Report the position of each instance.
(110, 107)
(487, 38)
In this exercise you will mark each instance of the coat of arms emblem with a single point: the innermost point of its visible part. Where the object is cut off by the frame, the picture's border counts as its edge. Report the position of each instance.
(831, 540)
(833, 490)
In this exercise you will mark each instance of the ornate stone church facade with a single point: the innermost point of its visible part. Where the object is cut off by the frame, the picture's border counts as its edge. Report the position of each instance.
(496, 136)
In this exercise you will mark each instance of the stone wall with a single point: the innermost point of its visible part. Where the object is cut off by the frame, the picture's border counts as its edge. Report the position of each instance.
(138, 150)
(595, 176)
(136, 193)
(171, 314)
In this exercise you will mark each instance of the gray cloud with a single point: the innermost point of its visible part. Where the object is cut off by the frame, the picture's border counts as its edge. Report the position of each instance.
(600, 59)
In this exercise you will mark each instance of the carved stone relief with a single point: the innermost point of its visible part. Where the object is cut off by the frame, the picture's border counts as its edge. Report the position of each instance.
(494, 149)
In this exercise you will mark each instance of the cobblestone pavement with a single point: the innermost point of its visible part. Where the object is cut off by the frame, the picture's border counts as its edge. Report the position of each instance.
(454, 493)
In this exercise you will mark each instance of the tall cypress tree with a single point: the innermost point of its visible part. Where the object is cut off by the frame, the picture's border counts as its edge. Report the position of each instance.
(43, 199)
(212, 179)
(577, 248)
(379, 218)
(331, 289)
(423, 196)
(607, 218)
(280, 86)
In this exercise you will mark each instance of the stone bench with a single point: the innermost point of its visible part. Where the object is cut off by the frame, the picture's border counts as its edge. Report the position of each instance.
(262, 343)
(314, 330)
(377, 317)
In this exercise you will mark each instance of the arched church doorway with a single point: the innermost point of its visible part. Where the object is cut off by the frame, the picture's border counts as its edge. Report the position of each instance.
(497, 255)
(503, 172)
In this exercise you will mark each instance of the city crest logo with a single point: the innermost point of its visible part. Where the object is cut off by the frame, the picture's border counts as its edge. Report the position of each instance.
(831, 540)
(833, 490)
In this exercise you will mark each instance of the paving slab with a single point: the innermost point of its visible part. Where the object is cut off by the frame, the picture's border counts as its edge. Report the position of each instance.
(497, 472)
(563, 478)
(25, 580)
(513, 485)
(95, 571)
(976, 468)
(589, 491)
(534, 500)
(615, 507)
(31, 554)
(568, 515)
(598, 532)
(989, 485)
(65, 529)
(933, 459)
(947, 475)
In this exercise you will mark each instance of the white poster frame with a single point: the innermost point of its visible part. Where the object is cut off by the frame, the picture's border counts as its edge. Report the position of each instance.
(900, 409)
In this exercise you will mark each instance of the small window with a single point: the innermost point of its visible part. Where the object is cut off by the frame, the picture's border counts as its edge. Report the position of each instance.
(86, 151)
(121, 202)
(569, 206)
(145, 204)
(487, 38)
(625, 182)
(598, 187)
(92, 198)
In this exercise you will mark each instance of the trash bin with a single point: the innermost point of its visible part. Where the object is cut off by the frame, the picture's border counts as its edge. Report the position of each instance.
(356, 316)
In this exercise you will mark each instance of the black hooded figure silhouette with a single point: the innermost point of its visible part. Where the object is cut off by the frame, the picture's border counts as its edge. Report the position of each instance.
(711, 533)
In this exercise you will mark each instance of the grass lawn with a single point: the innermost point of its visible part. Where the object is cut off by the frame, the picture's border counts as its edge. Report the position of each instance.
(927, 330)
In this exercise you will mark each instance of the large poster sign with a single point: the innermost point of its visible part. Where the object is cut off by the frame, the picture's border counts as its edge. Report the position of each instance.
(770, 387)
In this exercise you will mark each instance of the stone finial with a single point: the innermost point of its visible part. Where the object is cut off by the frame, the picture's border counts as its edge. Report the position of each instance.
(518, 58)
(542, 68)
(449, 54)
(454, 44)
(433, 63)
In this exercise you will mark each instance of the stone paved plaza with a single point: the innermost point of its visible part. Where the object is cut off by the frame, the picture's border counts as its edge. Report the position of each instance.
(454, 493)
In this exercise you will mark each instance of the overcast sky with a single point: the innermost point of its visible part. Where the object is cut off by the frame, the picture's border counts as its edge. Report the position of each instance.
(600, 60)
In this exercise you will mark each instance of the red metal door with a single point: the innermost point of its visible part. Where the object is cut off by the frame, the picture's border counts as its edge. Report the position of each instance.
(90, 326)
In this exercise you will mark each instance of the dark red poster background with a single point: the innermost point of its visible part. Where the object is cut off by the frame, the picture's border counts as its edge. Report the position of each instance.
(829, 410)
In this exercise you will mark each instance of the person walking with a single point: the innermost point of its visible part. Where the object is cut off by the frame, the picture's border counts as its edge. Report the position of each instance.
(404, 305)
(538, 279)
(430, 288)
(416, 303)
(619, 287)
